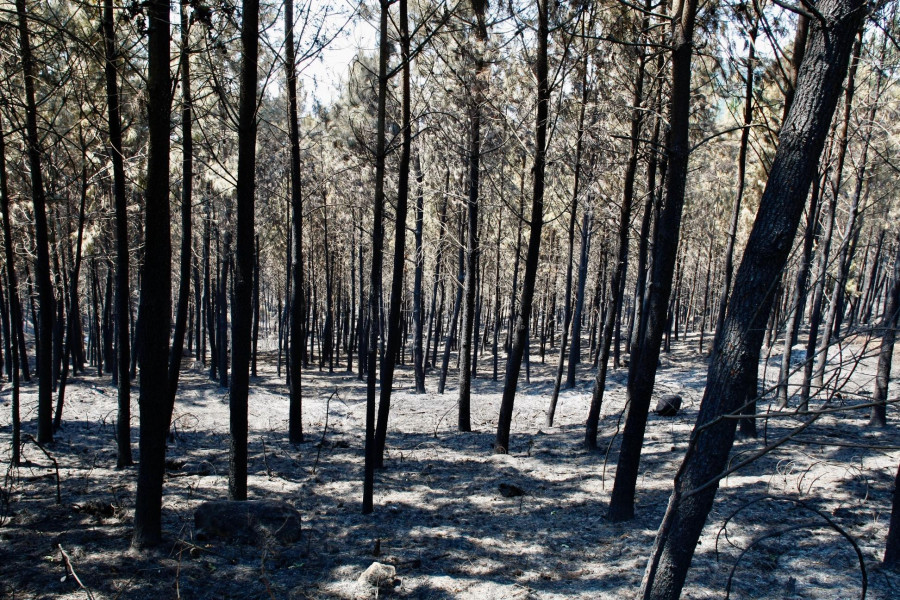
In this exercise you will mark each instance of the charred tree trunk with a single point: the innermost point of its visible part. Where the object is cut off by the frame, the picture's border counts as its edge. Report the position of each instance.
(472, 244)
(418, 300)
(242, 306)
(15, 309)
(44, 344)
(395, 313)
(642, 369)
(156, 287)
(766, 254)
(297, 301)
(187, 191)
(520, 336)
(371, 449)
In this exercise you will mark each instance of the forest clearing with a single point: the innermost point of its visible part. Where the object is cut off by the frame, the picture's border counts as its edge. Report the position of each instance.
(449, 299)
(442, 520)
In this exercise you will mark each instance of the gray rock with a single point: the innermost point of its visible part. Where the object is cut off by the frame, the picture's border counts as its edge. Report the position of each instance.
(252, 520)
(379, 575)
(668, 406)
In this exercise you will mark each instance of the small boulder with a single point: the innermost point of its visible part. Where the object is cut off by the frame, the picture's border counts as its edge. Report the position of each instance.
(509, 490)
(668, 406)
(251, 520)
(379, 575)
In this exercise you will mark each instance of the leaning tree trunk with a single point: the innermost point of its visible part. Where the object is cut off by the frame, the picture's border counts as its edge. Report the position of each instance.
(642, 369)
(520, 335)
(297, 301)
(765, 256)
(44, 342)
(371, 452)
(573, 213)
(728, 267)
(394, 333)
(156, 287)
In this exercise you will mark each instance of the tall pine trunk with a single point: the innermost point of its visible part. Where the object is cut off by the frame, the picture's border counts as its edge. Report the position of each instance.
(156, 287)
(765, 256)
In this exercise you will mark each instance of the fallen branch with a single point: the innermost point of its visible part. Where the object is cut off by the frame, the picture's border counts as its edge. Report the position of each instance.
(72, 572)
(324, 430)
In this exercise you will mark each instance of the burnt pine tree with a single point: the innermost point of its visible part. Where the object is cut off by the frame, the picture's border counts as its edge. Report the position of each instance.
(242, 306)
(394, 331)
(155, 402)
(617, 281)
(375, 276)
(15, 310)
(122, 305)
(889, 322)
(520, 334)
(41, 238)
(187, 188)
(476, 101)
(297, 304)
(771, 239)
(642, 369)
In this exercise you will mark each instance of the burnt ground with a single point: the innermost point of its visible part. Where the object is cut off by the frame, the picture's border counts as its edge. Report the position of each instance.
(440, 517)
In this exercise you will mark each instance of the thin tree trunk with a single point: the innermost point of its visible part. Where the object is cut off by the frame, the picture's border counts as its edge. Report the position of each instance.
(642, 369)
(889, 323)
(297, 299)
(187, 191)
(520, 336)
(15, 309)
(42, 264)
(394, 333)
(418, 300)
(371, 449)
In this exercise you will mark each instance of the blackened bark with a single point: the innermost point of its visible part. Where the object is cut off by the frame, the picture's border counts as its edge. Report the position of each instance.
(72, 309)
(187, 190)
(123, 345)
(15, 309)
(45, 323)
(394, 332)
(242, 306)
(728, 268)
(472, 244)
(520, 336)
(255, 335)
(418, 300)
(765, 256)
(156, 287)
(298, 301)
(575, 353)
(454, 318)
(889, 323)
(642, 368)
(375, 278)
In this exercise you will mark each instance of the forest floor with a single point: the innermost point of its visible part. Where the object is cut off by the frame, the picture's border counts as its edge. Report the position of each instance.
(440, 518)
